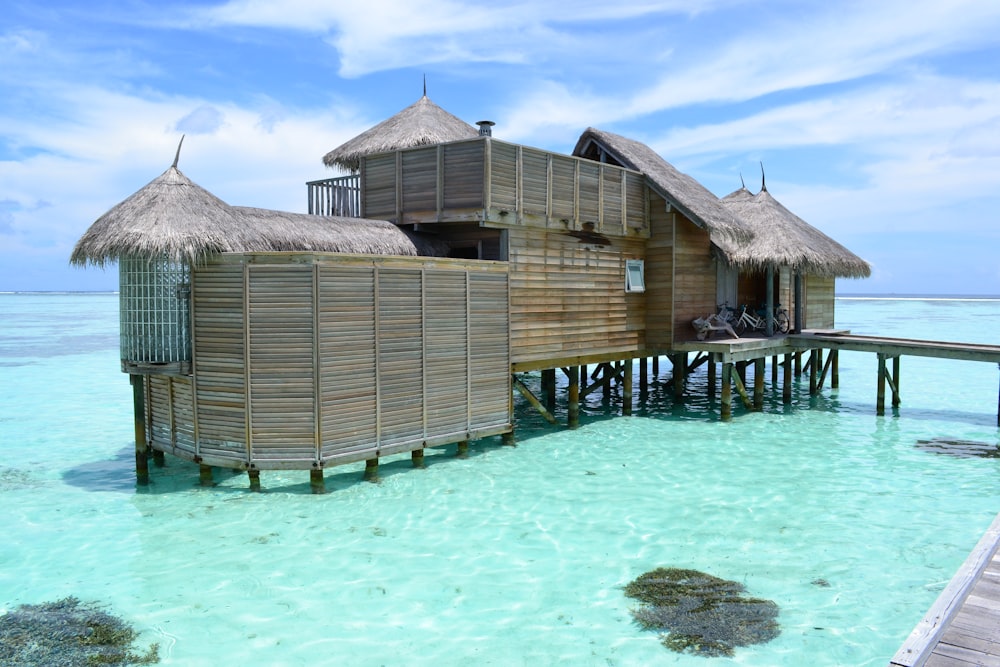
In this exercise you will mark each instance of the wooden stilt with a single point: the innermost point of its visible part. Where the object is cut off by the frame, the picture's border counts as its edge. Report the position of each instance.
(573, 399)
(774, 371)
(583, 375)
(462, 450)
(643, 377)
(371, 470)
(726, 409)
(895, 381)
(741, 371)
(141, 445)
(627, 388)
(786, 380)
(835, 369)
(758, 384)
(417, 458)
(814, 362)
(508, 440)
(741, 389)
(679, 361)
(159, 459)
(205, 475)
(606, 380)
(316, 482)
(711, 374)
(535, 403)
(798, 362)
(880, 392)
(254, 475)
(549, 388)
(656, 367)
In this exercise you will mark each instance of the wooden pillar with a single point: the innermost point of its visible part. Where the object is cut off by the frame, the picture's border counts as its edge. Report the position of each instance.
(798, 363)
(786, 379)
(371, 470)
(880, 392)
(798, 302)
(462, 450)
(205, 475)
(643, 377)
(549, 388)
(583, 375)
(774, 371)
(573, 399)
(627, 388)
(726, 410)
(758, 384)
(815, 361)
(679, 361)
(895, 381)
(769, 307)
(254, 475)
(656, 367)
(141, 446)
(417, 458)
(711, 374)
(508, 440)
(316, 482)
(835, 369)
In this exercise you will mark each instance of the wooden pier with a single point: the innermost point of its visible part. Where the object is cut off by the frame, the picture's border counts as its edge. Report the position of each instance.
(962, 628)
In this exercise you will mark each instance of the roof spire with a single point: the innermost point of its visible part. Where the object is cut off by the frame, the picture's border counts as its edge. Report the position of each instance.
(178, 155)
(763, 186)
(741, 181)
(425, 85)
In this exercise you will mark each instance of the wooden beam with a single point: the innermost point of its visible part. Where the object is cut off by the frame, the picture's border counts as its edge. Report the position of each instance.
(533, 400)
(786, 379)
(627, 388)
(141, 445)
(573, 400)
(742, 391)
(726, 409)
(758, 384)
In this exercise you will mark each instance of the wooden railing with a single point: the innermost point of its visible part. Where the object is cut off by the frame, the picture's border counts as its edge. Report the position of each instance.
(339, 196)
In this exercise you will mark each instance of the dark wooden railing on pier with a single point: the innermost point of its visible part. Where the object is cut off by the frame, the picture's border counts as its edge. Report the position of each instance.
(339, 196)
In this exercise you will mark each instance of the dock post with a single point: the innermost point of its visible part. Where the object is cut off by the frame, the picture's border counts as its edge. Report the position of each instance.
(786, 379)
(417, 458)
(726, 410)
(462, 450)
(774, 371)
(643, 377)
(880, 393)
(711, 374)
(254, 475)
(835, 369)
(549, 388)
(573, 407)
(204, 475)
(627, 388)
(508, 440)
(679, 361)
(758, 384)
(815, 360)
(141, 446)
(798, 363)
(656, 367)
(371, 470)
(895, 381)
(316, 483)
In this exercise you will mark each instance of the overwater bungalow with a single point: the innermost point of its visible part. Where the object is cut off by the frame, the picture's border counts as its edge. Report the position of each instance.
(398, 313)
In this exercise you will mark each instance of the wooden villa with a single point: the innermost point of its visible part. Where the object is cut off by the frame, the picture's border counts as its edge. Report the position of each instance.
(397, 314)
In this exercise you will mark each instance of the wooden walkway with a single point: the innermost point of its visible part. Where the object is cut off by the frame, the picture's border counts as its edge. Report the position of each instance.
(962, 628)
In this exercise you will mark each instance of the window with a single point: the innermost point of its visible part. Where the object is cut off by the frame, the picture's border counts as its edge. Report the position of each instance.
(634, 279)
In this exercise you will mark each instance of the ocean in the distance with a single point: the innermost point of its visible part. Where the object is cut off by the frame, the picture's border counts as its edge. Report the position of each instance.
(851, 523)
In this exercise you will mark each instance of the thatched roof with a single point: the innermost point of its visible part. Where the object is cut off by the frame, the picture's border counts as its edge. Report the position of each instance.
(782, 238)
(423, 122)
(683, 192)
(173, 217)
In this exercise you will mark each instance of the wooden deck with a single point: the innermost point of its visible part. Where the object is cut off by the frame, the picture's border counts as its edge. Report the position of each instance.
(962, 628)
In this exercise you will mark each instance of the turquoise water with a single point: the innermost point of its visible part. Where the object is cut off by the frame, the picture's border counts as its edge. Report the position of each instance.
(513, 556)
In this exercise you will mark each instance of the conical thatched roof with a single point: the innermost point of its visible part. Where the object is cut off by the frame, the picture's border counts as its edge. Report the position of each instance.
(423, 122)
(689, 196)
(781, 238)
(175, 218)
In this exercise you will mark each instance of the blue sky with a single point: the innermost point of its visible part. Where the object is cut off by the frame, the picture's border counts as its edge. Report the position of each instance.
(877, 122)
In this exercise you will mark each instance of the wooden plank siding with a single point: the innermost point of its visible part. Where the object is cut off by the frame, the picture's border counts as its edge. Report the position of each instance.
(498, 184)
(304, 359)
(818, 294)
(660, 278)
(568, 299)
(694, 277)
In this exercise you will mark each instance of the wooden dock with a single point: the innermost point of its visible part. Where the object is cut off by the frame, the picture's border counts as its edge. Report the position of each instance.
(962, 628)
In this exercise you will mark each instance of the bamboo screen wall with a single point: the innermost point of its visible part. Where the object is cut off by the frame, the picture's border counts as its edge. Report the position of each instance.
(154, 315)
(304, 359)
(501, 184)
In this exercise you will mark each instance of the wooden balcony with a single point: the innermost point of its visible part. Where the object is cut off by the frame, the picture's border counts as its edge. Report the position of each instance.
(499, 184)
(339, 196)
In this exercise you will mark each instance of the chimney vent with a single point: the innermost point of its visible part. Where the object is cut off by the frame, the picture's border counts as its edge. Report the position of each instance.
(486, 128)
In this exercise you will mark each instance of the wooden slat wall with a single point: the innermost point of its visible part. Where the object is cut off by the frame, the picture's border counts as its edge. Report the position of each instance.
(660, 278)
(347, 361)
(282, 380)
(568, 298)
(220, 363)
(463, 175)
(378, 187)
(349, 357)
(694, 277)
(819, 298)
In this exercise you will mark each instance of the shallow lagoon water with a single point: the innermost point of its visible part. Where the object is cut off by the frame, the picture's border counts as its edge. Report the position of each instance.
(513, 556)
